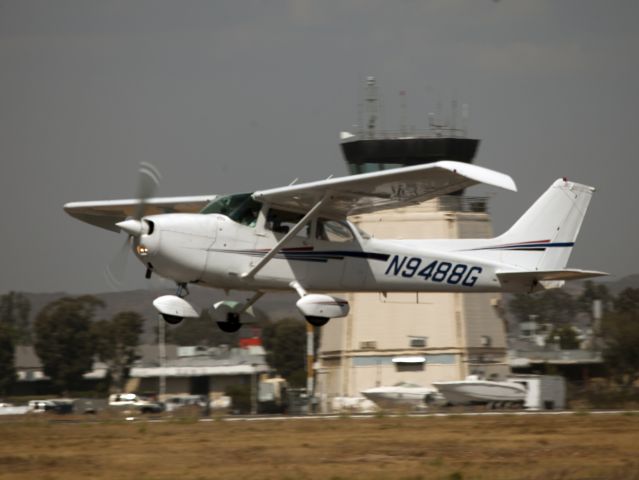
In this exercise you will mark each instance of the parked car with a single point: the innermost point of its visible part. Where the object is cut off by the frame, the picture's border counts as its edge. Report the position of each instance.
(180, 401)
(131, 401)
(11, 409)
(57, 405)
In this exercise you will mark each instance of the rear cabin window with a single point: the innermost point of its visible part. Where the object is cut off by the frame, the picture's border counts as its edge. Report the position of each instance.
(281, 221)
(333, 231)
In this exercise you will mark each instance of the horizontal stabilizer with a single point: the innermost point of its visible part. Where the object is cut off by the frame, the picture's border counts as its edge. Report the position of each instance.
(532, 280)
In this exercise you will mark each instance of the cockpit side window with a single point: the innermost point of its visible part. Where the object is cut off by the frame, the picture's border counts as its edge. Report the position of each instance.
(281, 221)
(240, 208)
(333, 231)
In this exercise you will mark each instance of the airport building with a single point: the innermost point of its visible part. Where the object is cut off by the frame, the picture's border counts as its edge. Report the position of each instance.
(195, 370)
(412, 337)
(191, 370)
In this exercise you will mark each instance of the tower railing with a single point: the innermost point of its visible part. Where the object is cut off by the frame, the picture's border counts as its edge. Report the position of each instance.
(457, 203)
(443, 132)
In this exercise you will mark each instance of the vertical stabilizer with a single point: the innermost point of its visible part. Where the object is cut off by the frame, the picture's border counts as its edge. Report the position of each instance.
(543, 238)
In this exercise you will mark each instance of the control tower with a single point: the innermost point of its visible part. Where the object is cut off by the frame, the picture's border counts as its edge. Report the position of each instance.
(413, 337)
(370, 149)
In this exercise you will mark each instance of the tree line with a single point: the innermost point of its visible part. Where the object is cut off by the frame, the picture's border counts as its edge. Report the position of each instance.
(67, 336)
(617, 333)
(67, 339)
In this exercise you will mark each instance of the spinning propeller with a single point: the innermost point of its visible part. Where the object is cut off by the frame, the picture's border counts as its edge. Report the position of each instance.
(148, 182)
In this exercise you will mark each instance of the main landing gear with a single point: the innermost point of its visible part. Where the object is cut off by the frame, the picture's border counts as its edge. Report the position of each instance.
(319, 309)
(172, 319)
(228, 314)
(232, 323)
(174, 308)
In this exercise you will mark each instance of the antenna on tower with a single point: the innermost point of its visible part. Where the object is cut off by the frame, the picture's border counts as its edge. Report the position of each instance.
(402, 126)
(359, 129)
(453, 115)
(464, 118)
(372, 105)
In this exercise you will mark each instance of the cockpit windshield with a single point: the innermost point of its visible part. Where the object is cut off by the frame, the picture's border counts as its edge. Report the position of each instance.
(239, 207)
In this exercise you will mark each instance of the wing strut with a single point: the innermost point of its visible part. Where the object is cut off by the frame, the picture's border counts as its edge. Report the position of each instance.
(292, 232)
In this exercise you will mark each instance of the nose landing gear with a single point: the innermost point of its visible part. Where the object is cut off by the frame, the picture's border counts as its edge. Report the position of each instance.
(174, 308)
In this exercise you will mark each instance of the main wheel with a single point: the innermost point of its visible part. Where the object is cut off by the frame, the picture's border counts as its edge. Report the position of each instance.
(172, 319)
(229, 327)
(232, 323)
(317, 321)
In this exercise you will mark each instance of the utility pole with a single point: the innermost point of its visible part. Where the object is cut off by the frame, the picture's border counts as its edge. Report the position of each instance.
(310, 360)
(162, 355)
(254, 390)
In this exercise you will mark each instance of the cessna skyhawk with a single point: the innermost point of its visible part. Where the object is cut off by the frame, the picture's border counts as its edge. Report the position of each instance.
(298, 238)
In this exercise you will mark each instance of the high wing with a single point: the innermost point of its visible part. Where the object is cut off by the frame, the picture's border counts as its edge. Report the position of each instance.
(106, 213)
(394, 188)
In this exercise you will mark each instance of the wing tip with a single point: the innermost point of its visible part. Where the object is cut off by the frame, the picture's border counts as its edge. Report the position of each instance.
(480, 174)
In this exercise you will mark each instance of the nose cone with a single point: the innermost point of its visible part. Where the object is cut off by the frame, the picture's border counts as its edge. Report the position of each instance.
(133, 227)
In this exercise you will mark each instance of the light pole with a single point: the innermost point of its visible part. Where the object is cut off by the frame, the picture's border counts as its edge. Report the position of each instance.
(254, 390)
(310, 360)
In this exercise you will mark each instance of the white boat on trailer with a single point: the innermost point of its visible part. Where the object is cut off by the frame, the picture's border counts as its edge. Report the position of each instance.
(401, 395)
(474, 390)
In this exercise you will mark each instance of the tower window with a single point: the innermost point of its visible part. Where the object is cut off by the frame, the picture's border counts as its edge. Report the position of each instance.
(418, 342)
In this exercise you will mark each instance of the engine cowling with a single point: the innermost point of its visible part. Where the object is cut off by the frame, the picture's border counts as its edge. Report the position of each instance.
(317, 305)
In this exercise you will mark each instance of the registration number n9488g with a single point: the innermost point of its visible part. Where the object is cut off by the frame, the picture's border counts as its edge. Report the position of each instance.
(434, 271)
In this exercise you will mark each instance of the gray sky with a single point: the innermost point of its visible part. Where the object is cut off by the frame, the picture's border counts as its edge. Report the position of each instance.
(227, 96)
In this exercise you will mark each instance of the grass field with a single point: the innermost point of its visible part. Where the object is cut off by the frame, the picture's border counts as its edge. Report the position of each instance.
(544, 447)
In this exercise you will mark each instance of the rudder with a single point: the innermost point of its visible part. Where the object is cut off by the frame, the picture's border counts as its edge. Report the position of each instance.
(543, 238)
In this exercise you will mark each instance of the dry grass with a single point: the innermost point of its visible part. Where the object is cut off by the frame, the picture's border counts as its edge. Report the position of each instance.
(508, 447)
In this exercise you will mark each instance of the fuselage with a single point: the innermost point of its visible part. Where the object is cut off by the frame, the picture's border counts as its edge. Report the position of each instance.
(327, 255)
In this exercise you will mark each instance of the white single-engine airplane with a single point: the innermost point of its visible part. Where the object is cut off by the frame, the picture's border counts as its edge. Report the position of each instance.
(298, 238)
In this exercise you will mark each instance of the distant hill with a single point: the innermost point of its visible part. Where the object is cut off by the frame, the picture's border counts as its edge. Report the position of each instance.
(616, 286)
